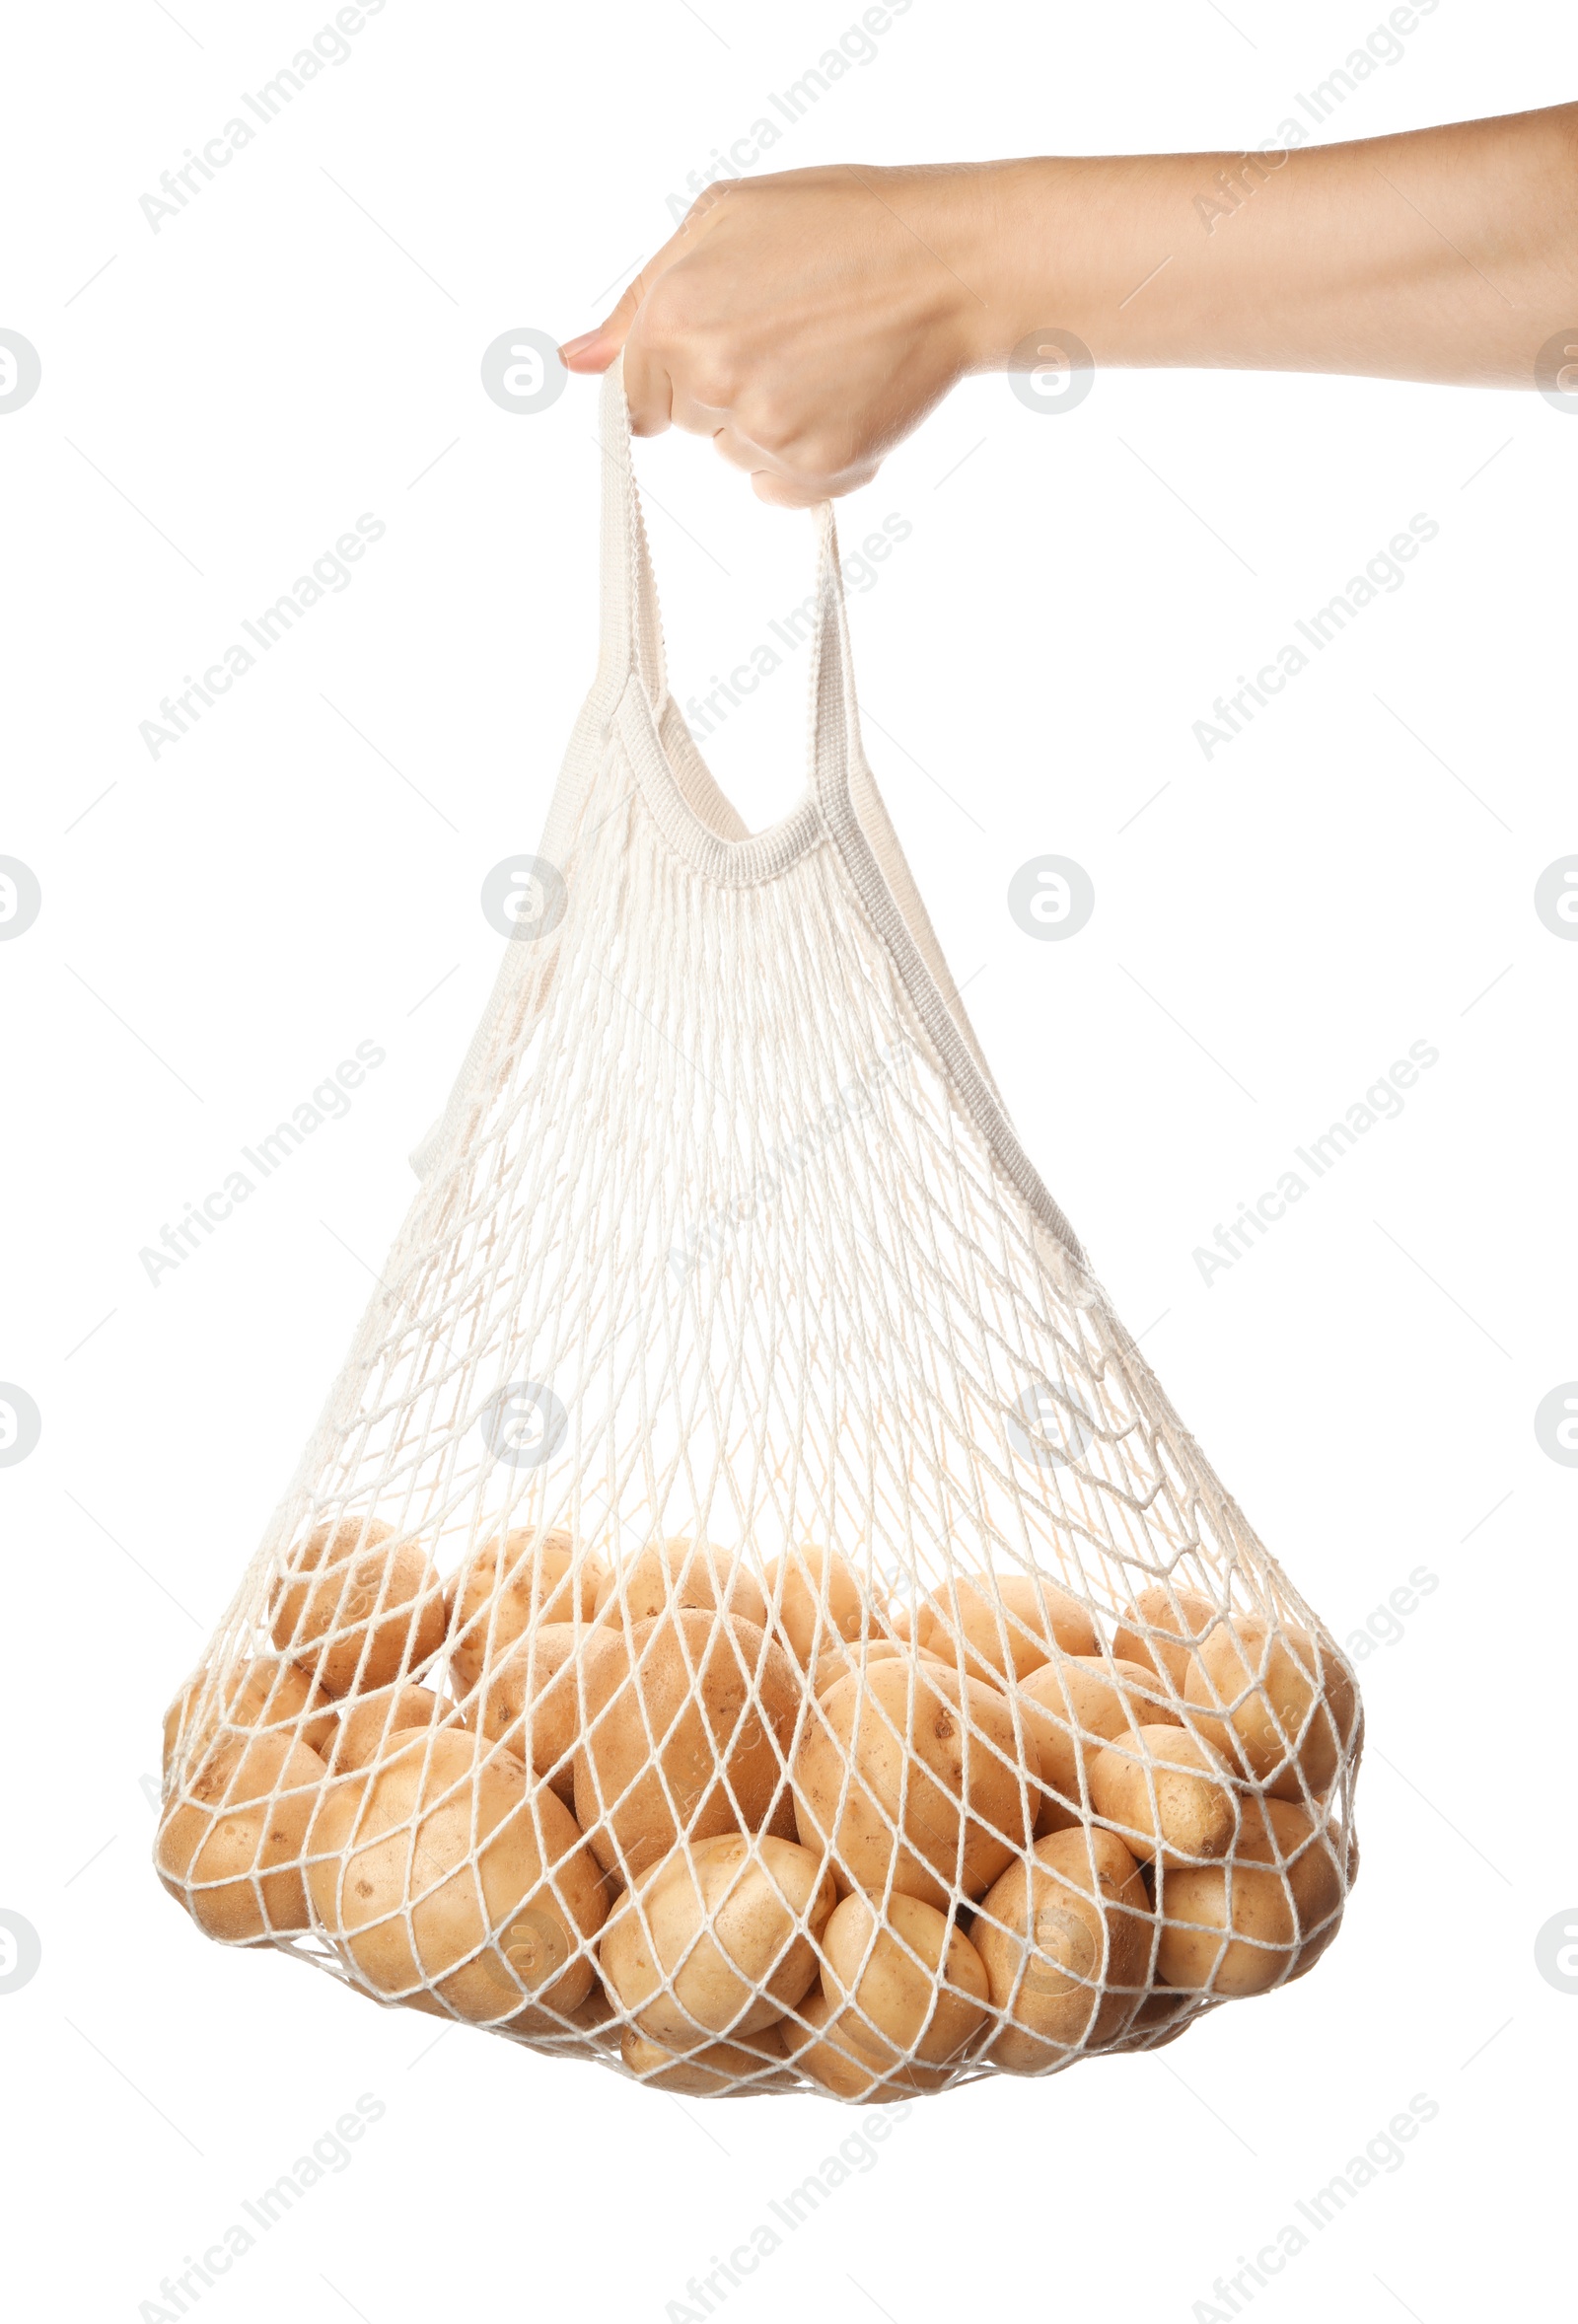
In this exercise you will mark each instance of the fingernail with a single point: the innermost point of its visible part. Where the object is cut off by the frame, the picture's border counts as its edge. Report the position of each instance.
(577, 346)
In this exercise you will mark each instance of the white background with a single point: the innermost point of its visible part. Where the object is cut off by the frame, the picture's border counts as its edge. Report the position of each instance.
(221, 927)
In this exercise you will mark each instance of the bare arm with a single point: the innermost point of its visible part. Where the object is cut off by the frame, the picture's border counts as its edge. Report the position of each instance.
(807, 322)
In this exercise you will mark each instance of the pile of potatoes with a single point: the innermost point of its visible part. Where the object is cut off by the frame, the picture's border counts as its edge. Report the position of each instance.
(751, 1834)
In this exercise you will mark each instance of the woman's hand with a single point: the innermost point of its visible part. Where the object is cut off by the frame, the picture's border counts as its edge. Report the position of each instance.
(806, 322)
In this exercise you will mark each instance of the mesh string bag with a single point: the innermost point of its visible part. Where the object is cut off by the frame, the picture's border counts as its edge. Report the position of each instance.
(748, 1614)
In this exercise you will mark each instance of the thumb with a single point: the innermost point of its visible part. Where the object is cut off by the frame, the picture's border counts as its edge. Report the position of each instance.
(595, 349)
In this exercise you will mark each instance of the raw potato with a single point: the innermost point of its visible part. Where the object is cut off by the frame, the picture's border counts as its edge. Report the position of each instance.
(822, 2047)
(490, 1602)
(1160, 2019)
(1158, 1631)
(1287, 1898)
(1072, 1707)
(1036, 1617)
(259, 1695)
(719, 1700)
(366, 1865)
(836, 1661)
(245, 1812)
(1042, 1932)
(1298, 1711)
(355, 1612)
(682, 1573)
(817, 1598)
(1191, 1815)
(895, 2007)
(942, 1745)
(529, 1702)
(683, 1955)
(710, 2073)
(369, 1723)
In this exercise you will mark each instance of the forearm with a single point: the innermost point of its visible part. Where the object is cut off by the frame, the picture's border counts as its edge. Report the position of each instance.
(1447, 254)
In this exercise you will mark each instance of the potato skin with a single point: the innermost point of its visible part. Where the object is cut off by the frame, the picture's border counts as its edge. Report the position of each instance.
(1299, 1707)
(1192, 1816)
(245, 1812)
(1287, 1901)
(681, 1574)
(942, 1744)
(263, 1694)
(766, 1900)
(529, 1701)
(817, 2042)
(721, 2068)
(722, 1699)
(961, 1620)
(356, 1612)
(491, 1601)
(369, 1723)
(1042, 1932)
(400, 1833)
(815, 1599)
(1158, 1631)
(1074, 1706)
(895, 2008)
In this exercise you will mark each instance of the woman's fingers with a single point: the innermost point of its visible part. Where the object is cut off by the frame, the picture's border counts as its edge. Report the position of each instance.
(805, 324)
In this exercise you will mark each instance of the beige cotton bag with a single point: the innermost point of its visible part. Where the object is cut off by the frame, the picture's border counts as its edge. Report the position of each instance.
(749, 1612)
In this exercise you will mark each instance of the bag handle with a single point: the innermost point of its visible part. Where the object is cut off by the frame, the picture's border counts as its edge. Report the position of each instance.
(633, 624)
